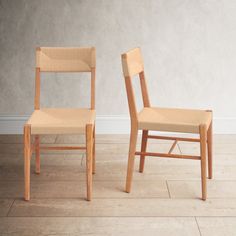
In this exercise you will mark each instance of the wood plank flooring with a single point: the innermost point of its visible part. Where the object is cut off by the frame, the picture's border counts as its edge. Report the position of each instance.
(165, 199)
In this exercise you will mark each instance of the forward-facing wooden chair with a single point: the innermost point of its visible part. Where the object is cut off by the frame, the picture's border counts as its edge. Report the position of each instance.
(61, 120)
(163, 119)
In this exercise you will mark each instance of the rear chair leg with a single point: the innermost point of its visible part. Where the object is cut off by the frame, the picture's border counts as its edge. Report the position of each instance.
(203, 135)
(132, 148)
(37, 155)
(27, 155)
(89, 159)
(143, 149)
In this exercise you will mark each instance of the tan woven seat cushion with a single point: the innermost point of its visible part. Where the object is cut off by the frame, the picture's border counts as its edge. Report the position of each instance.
(173, 120)
(61, 121)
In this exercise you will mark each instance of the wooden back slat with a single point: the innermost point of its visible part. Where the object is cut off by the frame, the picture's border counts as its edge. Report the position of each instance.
(60, 59)
(132, 62)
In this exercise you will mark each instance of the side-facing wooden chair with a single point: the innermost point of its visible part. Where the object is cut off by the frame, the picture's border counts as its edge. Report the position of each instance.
(61, 120)
(163, 119)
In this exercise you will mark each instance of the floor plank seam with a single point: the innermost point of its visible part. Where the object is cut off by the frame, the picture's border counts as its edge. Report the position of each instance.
(10, 208)
(168, 188)
(116, 216)
(148, 216)
(99, 198)
(101, 180)
(109, 216)
(198, 226)
(55, 141)
(120, 198)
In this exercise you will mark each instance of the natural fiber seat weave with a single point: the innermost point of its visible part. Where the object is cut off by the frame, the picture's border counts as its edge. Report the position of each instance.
(61, 121)
(173, 120)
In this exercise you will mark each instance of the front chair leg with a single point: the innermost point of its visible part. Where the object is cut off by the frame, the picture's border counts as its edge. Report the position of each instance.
(143, 149)
(27, 155)
(209, 150)
(203, 135)
(132, 148)
(89, 159)
(37, 155)
(94, 156)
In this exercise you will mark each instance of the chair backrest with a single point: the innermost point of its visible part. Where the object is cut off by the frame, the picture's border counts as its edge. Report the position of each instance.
(132, 64)
(62, 59)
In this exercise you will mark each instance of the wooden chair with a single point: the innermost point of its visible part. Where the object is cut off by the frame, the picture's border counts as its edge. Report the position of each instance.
(61, 120)
(163, 119)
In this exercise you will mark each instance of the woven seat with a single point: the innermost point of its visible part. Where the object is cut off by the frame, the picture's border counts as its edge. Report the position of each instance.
(173, 120)
(61, 121)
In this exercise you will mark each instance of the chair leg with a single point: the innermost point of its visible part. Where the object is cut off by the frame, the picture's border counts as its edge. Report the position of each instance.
(37, 155)
(89, 159)
(27, 156)
(94, 152)
(132, 148)
(209, 149)
(203, 135)
(143, 149)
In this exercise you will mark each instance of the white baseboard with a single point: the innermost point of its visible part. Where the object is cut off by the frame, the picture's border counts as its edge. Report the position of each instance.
(104, 124)
(109, 125)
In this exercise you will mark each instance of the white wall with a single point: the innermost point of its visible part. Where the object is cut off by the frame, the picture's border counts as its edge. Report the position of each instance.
(188, 47)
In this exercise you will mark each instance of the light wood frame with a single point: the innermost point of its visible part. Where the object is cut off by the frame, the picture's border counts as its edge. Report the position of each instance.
(205, 135)
(29, 148)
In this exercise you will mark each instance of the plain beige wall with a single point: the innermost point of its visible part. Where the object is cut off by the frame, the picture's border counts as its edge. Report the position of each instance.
(188, 46)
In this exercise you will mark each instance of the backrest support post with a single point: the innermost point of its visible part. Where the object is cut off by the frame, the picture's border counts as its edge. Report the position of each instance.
(93, 76)
(131, 100)
(132, 64)
(37, 89)
(146, 102)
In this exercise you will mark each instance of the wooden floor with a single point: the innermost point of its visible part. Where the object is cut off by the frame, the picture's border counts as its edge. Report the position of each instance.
(164, 199)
